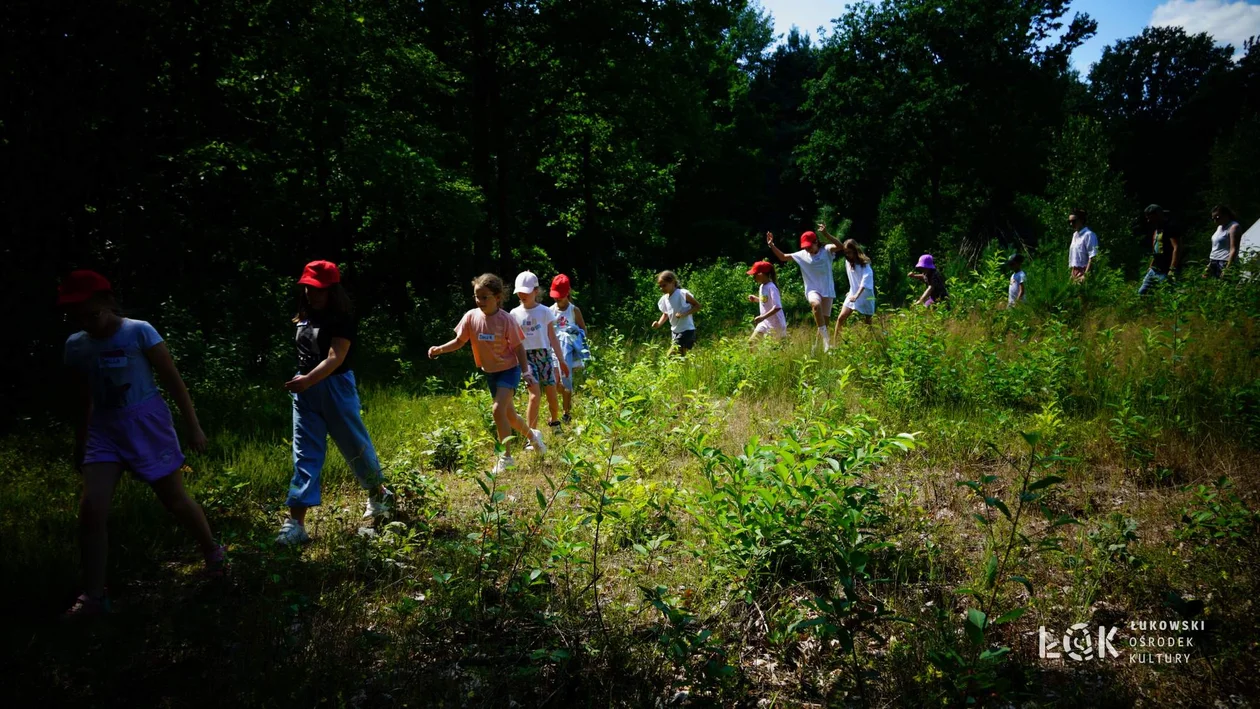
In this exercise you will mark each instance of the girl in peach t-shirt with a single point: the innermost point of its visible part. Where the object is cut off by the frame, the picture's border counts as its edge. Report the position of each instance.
(498, 350)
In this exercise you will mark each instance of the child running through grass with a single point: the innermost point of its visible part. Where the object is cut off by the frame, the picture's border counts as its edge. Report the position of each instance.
(571, 331)
(538, 323)
(770, 321)
(1015, 292)
(326, 401)
(820, 283)
(925, 270)
(677, 307)
(499, 351)
(124, 424)
(861, 297)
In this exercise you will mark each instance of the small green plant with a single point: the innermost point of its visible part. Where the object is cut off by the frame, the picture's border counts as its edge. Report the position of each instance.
(447, 449)
(1114, 538)
(691, 648)
(1217, 516)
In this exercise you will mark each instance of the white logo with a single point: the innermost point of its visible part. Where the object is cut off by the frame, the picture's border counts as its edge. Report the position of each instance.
(1078, 643)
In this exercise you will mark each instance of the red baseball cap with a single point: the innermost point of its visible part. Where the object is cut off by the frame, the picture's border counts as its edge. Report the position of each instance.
(320, 274)
(560, 286)
(81, 285)
(761, 267)
(808, 239)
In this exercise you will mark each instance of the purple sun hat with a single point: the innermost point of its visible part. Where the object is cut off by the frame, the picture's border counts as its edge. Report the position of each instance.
(925, 261)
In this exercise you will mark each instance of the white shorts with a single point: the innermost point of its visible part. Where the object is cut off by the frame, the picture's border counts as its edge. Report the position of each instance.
(765, 327)
(816, 298)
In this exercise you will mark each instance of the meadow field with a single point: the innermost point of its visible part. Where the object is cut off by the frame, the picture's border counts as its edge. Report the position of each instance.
(892, 523)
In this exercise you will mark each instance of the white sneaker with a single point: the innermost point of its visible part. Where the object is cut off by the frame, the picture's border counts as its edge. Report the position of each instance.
(381, 507)
(537, 443)
(292, 533)
(503, 463)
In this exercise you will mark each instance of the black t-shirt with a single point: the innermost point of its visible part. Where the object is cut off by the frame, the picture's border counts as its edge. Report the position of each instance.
(936, 286)
(315, 335)
(1161, 247)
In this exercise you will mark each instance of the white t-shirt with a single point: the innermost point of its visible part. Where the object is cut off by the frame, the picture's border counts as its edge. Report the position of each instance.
(1084, 247)
(1013, 293)
(534, 322)
(769, 296)
(1220, 242)
(861, 276)
(816, 268)
(676, 302)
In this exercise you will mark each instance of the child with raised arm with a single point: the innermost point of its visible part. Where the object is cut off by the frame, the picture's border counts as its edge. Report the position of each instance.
(770, 321)
(538, 323)
(498, 349)
(124, 424)
(861, 297)
(815, 260)
(571, 331)
(677, 307)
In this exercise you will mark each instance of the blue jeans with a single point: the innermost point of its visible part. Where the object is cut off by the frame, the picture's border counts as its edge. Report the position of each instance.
(330, 408)
(1152, 278)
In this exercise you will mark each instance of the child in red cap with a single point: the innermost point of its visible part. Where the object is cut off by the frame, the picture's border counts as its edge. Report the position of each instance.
(326, 401)
(125, 424)
(815, 260)
(771, 320)
(571, 330)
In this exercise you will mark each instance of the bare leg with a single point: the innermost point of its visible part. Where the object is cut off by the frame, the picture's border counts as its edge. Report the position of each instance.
(535, 400)
(298, 514)
(505, 417)
(552, 404)
(170, 491)
(567, 396)
(99, 481)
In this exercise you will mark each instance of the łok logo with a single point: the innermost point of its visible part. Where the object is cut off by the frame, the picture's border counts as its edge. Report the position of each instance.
(1078, 643)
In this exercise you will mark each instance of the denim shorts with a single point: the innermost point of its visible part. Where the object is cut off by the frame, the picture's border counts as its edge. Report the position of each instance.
(507, 379)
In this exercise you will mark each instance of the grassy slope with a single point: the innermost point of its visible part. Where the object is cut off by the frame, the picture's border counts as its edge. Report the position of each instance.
(365, 621)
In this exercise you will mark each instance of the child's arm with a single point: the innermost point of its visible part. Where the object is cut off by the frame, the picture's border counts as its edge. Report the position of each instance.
(160, 359)
(555, 348)
(577, 317)
(822, 231)
(338, 349)
(775, 250)
(1021, 291)
(661, 320)
(695, 306)
(458, 342)
(923, 298)
(760, 318)
(524, 364)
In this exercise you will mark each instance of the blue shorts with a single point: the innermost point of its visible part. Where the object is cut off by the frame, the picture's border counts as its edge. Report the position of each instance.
(507, 379)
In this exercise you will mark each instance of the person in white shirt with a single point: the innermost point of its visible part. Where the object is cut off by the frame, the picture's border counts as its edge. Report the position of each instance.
(1224, 242)
(1084, 246)
(815, 260)
(677, 307)
(538, 323)
(861, 297)
(1015, 293)
(770, 320)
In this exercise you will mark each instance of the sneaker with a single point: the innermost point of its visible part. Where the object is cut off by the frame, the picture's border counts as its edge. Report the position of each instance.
(554, 426)
(566, 418)
(538, 441)
(379, 507)
(217, 566)
(503, 463)
(86, 607)
(292, 533)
